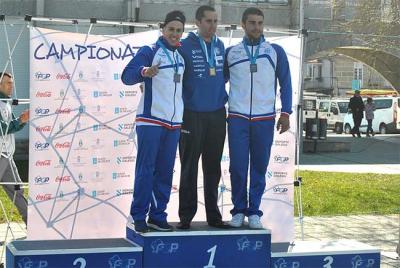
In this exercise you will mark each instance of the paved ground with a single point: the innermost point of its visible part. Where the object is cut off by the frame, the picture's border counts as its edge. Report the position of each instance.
(380, 154)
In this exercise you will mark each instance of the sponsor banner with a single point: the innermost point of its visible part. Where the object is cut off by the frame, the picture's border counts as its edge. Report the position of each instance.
(83, 141)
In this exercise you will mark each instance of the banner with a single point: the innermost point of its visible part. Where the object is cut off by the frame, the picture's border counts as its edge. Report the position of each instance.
(82, 140)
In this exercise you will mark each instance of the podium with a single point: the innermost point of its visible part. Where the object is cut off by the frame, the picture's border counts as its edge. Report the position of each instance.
(204, 246)
(88, 253)
(327, 254)
(201, 246)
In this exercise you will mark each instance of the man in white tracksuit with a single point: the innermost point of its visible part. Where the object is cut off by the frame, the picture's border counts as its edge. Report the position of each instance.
(253, 68)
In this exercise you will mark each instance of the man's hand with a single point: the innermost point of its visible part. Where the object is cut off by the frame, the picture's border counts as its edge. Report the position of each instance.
(24, 117)
(151, 71)
(283, 123)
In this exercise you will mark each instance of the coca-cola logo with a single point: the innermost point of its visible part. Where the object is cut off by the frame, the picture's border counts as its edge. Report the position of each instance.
(42, 163)
(63, 178)
(43, 197)
(63, 111)
(43, 129)
(64, 76)
(43, 94)
(63, 145)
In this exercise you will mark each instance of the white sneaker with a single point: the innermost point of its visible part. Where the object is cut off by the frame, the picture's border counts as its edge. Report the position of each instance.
(254, 222)
(237, 220)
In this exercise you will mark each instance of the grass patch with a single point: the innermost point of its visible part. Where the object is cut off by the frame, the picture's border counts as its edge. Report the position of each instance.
(335, 193)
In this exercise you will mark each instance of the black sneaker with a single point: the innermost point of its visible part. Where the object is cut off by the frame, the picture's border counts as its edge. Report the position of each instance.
(141, 227)
(162, 226)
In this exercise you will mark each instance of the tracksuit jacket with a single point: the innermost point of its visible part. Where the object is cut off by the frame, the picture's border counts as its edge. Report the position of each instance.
(251, 121)
(158, 119)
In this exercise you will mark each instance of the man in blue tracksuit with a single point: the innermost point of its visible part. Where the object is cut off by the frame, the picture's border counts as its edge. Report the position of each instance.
(253, 67)
(204, 119)
(158, 122)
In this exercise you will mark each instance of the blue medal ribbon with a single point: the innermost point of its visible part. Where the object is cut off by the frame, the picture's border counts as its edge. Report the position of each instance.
(176, 67)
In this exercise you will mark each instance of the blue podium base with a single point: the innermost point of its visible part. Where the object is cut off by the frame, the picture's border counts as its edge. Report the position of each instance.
(88, 253)
(204, 246)
(327, 254)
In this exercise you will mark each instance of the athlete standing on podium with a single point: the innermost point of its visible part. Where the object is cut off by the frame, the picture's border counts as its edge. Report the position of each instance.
(158, 121)
(253, 67)
(204, 119)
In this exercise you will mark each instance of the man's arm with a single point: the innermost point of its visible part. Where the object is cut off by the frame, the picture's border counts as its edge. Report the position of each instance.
(16, 124)
(285, 82)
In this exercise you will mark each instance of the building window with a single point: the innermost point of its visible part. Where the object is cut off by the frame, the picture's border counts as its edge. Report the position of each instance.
(314, 71)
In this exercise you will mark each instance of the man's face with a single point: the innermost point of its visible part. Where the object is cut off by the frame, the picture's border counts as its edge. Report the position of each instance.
(6, 85)
(253, 27)
(208, 24)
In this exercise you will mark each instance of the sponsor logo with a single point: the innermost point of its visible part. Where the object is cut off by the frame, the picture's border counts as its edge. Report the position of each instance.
(63, 178)
(281, 143)
(127, 93)
(96, 193)
(99, 127)
(282, 263)
(43, 197)
(42, 111)
(120, 175)
(63, 111)
(281, 159)
(63, 76)
(43, 129)
(120, 192)
(116, 261)
(63, 145)
(43, 94)
(41, 146)
(41, 180)
(280, 190)
(244, 244)
(120, 110)
(43, 163)
(39, 76)
(121, 143)
(101, 94)
(100, 160)
(125, 159)
(126, 126)
(158, 246)
(196, 51)
(280, 174)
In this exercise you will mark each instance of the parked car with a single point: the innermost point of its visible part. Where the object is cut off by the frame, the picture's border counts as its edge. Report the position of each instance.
(334, 110)
(386, 116)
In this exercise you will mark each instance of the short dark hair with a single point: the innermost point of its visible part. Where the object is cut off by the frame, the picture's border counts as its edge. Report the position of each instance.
(201, 10)
(251, 11)
(4, 74)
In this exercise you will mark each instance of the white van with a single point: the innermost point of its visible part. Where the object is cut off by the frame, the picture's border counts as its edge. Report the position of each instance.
(386, 116)
(334, 110)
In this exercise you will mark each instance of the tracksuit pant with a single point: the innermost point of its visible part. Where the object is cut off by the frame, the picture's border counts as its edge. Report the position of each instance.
(155, 161)
(202, 133)
(249, 141)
